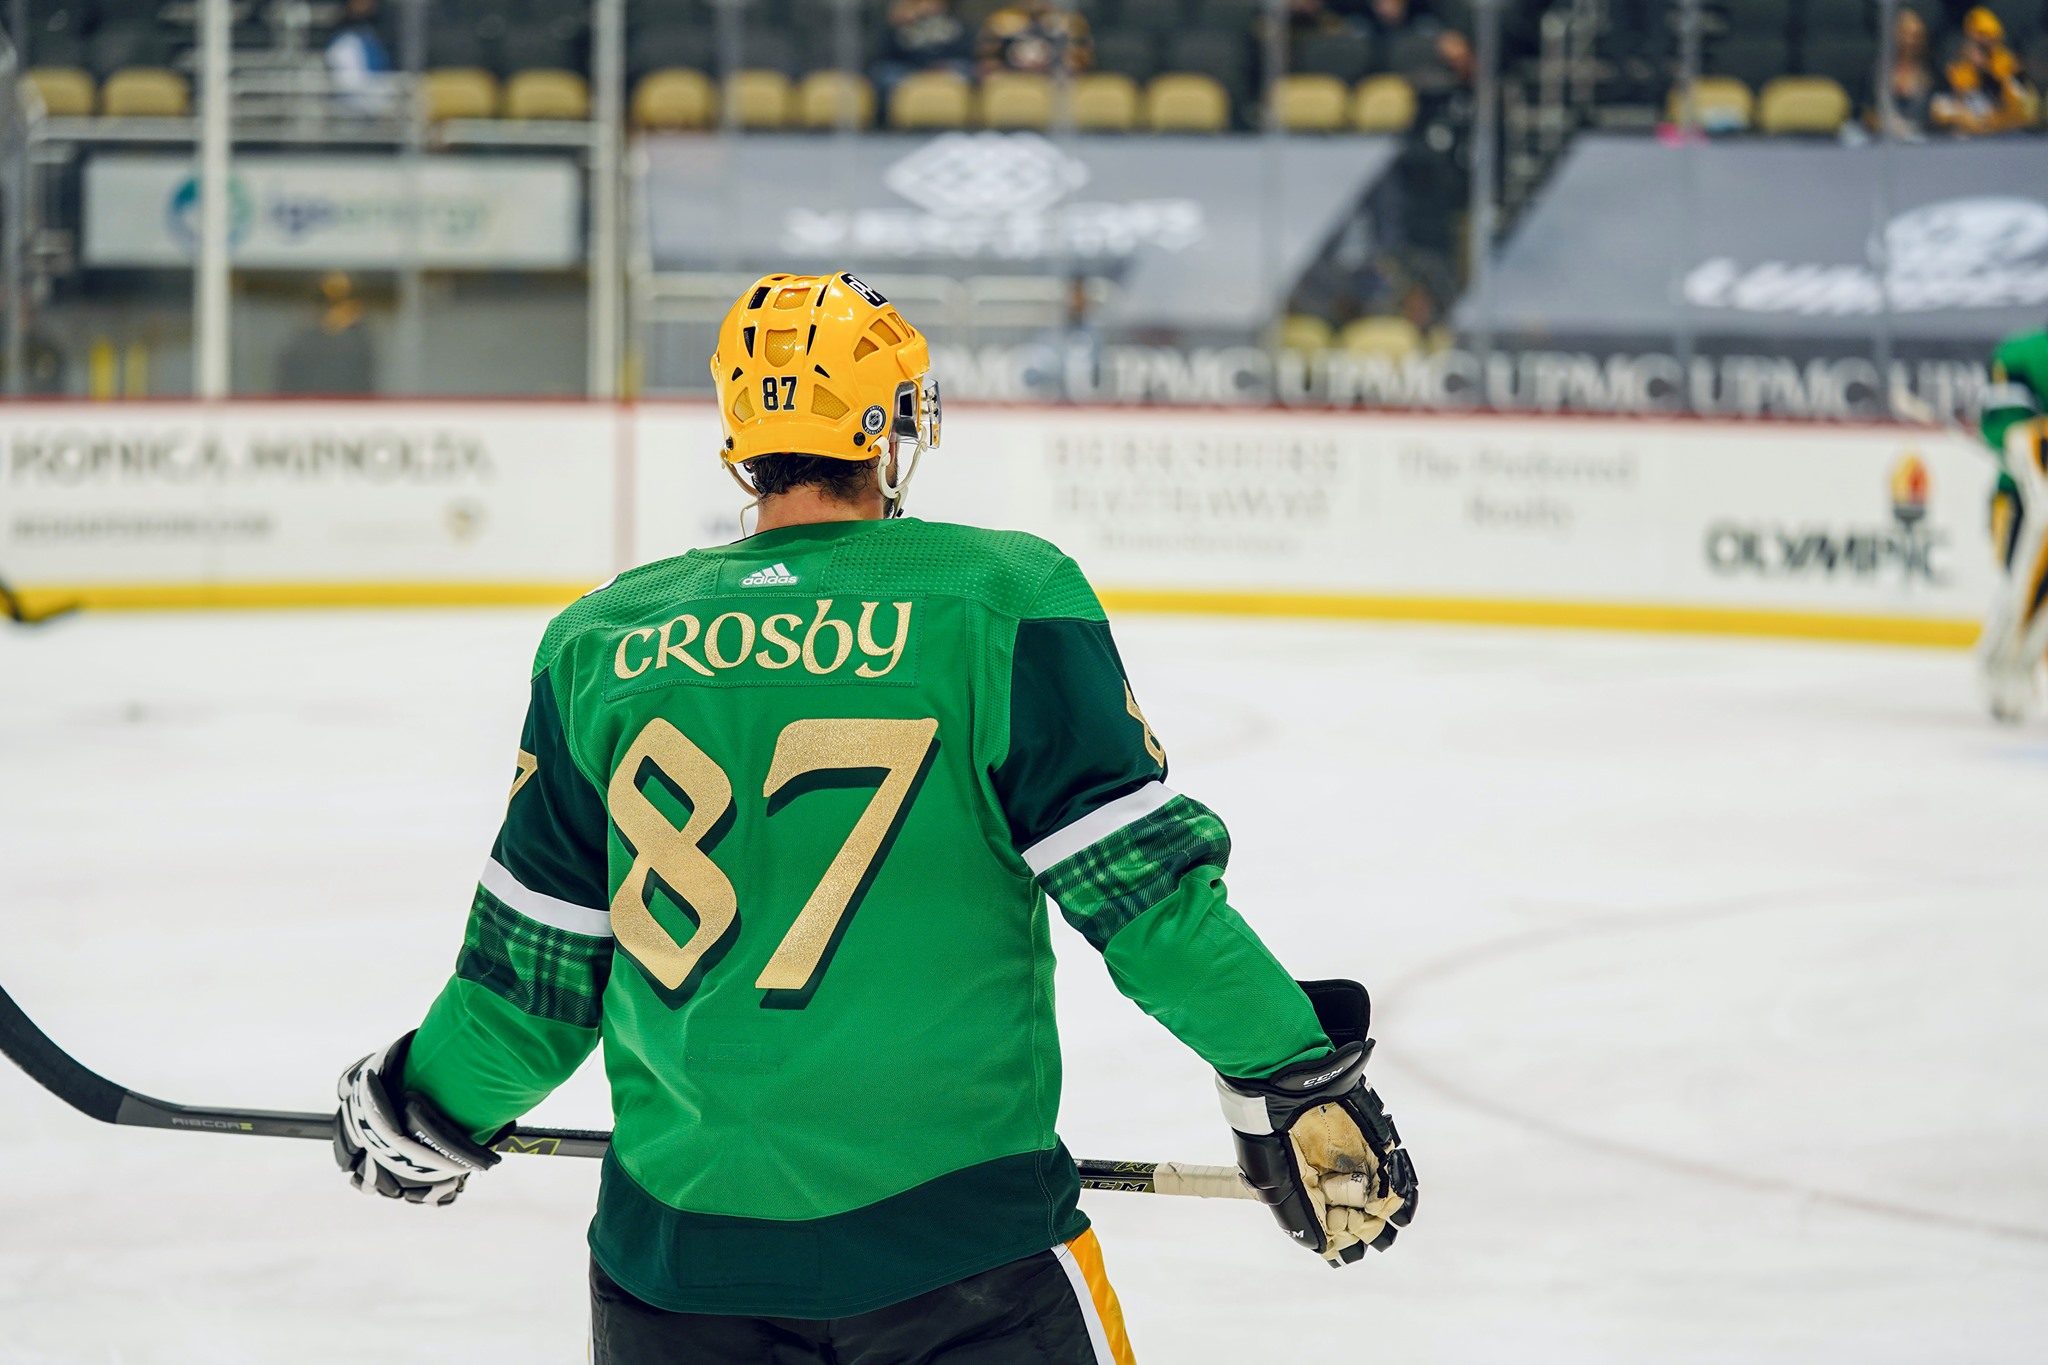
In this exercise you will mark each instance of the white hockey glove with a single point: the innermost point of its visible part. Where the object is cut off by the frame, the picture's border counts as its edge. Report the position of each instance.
(1315, 1144)
(410, 1151)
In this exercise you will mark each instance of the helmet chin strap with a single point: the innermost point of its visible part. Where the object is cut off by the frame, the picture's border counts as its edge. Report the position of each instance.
(893, 493)
(754, 499)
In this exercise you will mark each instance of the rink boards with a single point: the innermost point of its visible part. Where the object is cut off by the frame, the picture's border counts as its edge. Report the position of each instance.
(1866, 532)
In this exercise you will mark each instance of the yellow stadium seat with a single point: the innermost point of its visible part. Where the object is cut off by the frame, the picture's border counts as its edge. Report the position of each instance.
(547, 93)
(1104, 102)
(674, 97)
(1722, 104)
(66, 91)
(460, 92)
(1383, 104)
(1304, 332)
(825, 96)
(1016, 99)
(930, 99)
(1311, 104)
(1393, 338)
(759, 99)
(1184, 102)
(145, 92)
(1802, 104)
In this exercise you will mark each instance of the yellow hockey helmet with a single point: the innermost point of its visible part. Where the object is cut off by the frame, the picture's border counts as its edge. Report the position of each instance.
(1981, 24)
(822, 365)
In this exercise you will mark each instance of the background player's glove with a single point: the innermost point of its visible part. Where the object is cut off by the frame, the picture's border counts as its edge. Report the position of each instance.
(410, 1150)
(1315, 1143)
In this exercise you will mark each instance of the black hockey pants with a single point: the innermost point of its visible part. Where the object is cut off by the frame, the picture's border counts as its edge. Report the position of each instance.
(1054, 1308)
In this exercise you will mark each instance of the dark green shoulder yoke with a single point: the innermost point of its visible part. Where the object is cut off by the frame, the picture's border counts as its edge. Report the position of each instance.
(1011, 573)
(624, 600)
(1007, 572)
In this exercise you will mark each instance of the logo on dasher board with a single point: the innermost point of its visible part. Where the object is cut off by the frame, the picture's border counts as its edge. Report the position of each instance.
(774, 576)
(1909, 489)
(1905, 550)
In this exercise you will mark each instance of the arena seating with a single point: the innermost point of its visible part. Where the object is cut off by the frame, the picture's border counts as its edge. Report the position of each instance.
(145, 92)
(828, 99)
(66, 91)
(1777, 67)
(461, 92)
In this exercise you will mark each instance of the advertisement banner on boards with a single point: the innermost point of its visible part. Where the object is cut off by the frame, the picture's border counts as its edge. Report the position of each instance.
(1234, 509)
(1870, 521)
(341, 212)
(280, 493)
(1853, 521)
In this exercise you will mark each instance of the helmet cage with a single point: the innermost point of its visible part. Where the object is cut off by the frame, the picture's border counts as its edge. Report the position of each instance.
(917, 421)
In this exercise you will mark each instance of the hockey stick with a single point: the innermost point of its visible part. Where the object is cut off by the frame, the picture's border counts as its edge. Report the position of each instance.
(97, 1097)
(10, 603)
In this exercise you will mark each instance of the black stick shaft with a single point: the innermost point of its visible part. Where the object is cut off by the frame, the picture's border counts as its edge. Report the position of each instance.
(97, 1097)
(11, 606)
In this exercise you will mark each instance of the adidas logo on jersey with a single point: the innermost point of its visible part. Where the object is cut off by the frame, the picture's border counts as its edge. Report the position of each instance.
(774, 576)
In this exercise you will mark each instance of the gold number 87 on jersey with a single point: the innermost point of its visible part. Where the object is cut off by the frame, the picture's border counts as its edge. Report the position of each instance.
(899, 749)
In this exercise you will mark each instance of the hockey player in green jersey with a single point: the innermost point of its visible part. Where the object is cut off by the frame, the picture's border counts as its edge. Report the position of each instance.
(786, 819)
(2015, 639)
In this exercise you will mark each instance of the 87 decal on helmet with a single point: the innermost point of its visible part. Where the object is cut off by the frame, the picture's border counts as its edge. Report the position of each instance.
(824, 365)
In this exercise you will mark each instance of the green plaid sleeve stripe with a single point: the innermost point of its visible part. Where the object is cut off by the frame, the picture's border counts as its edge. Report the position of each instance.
(1134, 867)
(541, 970)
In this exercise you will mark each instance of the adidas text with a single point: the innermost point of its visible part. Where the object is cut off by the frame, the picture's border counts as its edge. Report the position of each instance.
(774, 576)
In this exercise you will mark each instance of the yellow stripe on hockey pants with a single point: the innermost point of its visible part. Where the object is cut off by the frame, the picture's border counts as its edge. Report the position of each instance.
(1082, 1260)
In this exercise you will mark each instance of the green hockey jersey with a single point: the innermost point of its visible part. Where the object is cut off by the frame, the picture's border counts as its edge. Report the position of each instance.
(785, 821)
(2019, 385)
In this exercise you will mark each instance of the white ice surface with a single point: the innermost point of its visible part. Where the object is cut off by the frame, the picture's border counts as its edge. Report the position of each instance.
(1702, 968)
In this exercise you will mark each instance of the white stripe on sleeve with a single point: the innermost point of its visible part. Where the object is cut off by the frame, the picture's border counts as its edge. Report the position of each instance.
(1097, 825)
(2008, 395)
(556, 914)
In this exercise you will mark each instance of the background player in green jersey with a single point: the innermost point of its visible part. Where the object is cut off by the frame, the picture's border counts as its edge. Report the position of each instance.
(786, 818)
(2015, 635)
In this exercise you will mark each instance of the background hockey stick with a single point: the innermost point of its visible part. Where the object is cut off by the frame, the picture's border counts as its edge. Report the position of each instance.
(10, 604)
(97, 1097)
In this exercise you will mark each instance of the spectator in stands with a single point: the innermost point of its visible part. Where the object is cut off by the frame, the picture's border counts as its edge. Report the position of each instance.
(1434, 173)
(1405, 39)
(924, 35)
(1032, 35)
(1315, 16)
(1986, 90)
(1912, 77)
(332, 354)
(1457, 66)
(358, 61)
(1066, 361)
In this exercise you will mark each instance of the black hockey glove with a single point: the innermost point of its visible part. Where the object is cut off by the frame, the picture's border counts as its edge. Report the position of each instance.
(1315, 1143)
(410, 1151)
